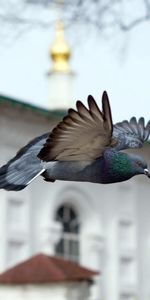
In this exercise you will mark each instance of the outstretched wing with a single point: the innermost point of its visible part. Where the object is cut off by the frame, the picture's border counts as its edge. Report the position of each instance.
(131, 134)
(82, 135)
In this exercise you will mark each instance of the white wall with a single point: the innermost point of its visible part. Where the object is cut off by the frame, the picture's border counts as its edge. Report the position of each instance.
(58, 291)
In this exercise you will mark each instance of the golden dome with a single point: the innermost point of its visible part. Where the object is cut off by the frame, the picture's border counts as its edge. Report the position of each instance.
(60, 51)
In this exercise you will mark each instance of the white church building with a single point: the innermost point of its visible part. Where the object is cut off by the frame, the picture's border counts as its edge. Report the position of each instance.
(105, 228)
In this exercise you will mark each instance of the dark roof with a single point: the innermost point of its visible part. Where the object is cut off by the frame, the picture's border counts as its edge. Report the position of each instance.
(45, 269)
(6, 100)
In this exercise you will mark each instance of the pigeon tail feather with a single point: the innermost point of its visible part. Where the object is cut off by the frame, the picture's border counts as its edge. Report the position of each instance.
(24, 167)
(16, 179)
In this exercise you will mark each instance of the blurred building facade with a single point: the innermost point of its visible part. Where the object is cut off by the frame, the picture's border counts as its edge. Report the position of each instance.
(102, 227)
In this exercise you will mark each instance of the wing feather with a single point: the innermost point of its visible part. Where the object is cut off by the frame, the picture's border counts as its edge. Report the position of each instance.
(147, 131)
(131, 134)
(107, 111)
(141, 127)
(82, 135)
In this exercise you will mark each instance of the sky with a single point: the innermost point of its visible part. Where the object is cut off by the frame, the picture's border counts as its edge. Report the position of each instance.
(119, 64)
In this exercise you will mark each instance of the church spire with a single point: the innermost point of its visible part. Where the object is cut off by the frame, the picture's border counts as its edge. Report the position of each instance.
(61, 76)
(60, 51)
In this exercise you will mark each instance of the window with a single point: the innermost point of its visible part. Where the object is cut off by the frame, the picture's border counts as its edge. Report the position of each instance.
(126, 234)
(15, 252)
(68, 245)
(17, 214)
(15, 211)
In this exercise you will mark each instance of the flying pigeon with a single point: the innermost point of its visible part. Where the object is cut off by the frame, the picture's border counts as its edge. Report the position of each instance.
(84, 146)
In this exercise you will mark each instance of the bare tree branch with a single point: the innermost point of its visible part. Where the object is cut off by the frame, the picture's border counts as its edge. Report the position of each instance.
(23, 21)
(134, 23)
(100, 14)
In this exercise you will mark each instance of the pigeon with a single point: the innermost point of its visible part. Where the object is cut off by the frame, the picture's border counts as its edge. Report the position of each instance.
(85, 146)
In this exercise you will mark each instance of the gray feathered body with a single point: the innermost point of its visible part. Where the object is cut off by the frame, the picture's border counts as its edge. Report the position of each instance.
(112, 167)
(85, 171)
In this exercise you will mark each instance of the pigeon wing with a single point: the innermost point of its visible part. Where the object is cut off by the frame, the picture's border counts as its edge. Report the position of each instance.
(82, 135)
(131, 134)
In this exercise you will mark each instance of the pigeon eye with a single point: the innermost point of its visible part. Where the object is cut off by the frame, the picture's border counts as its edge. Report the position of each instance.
(139, 163)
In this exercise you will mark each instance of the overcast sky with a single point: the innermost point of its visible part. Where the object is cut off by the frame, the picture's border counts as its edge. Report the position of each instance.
(121, 66)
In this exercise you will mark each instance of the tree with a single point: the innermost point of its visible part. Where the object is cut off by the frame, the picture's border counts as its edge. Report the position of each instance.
(101, 14)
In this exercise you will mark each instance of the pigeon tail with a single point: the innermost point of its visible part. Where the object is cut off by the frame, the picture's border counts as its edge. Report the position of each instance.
(13, 178)
(24, 167)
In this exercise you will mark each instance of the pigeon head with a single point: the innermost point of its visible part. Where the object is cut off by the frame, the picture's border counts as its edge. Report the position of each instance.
(139, 165)
(120, 166)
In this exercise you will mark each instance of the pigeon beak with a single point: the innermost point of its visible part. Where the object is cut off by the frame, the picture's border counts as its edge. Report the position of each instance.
(147, 173)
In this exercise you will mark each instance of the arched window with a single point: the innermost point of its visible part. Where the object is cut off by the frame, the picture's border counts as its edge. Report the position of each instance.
(68, 245)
